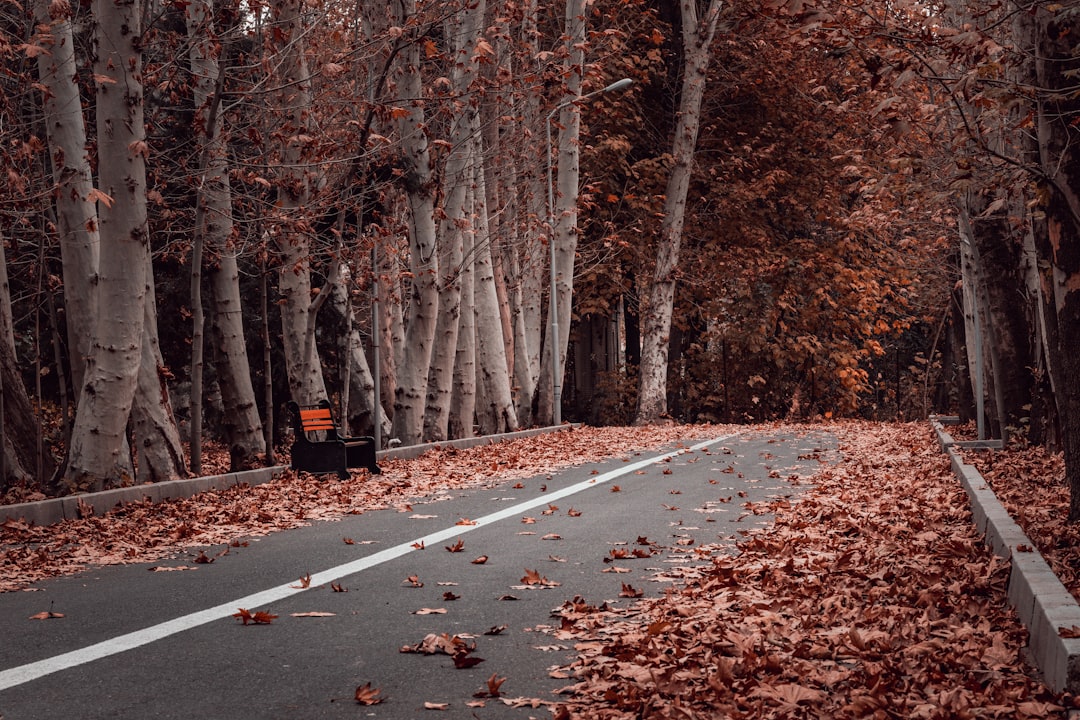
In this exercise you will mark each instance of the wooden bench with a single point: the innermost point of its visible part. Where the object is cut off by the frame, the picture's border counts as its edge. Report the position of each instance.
(318, 448)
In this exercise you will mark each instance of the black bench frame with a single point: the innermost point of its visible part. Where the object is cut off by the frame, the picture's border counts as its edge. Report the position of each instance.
(318, 448)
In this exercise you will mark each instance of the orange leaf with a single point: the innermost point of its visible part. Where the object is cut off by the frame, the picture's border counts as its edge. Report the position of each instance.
(367, 695)
(349, 541)
(305, 582)
(456, 547)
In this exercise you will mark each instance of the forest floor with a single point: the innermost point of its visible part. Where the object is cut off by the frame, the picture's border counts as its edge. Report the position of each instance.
(870, 596)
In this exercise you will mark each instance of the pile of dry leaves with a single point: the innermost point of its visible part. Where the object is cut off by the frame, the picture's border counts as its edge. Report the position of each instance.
(871, 596)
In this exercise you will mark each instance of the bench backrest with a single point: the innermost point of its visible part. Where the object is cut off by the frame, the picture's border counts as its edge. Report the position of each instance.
(317, 420)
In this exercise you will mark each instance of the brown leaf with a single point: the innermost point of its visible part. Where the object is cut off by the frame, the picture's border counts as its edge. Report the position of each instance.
(495, 630)
(313, 613)
(449, 596)
(202, 558)
(480, 560)
(305, 582)
(348, 541)
(630, 592)
(337, 587)
(47, 615)
(413, 581)
(456, 547)
(419, 545)
(436, 705)
(367, 695)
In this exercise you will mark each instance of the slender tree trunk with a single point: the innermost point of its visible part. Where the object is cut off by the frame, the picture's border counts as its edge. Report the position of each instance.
(97, 440)
(293, 101)
(423, 253)
(497, 414)
(463, 400)
(526, 260)
(466, 27)
(243, 428)
(391, 328)
(77, 223)
(564, 230)
(362, 405)
(697, 35)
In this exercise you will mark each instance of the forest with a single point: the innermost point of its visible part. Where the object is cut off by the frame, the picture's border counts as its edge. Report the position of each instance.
(461, 217)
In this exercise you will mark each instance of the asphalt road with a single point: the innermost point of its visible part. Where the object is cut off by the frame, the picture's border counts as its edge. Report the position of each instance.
(137, 644)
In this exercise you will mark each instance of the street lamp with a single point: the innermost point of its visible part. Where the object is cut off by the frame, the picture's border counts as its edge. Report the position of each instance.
(556, 371)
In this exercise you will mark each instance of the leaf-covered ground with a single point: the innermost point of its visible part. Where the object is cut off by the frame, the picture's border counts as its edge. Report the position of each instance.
(870, 597)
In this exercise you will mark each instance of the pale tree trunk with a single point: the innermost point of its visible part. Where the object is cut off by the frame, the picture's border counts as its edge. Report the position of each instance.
(466, 28)
(564, 231)
(697, 36)
(243, 428)
(362, 409)
(525, 260)
(96, 455)
(463, 400)
(298, 312)
(153, 428)
(419, 184)
(77, 223)
(496, 414)
(391, 327)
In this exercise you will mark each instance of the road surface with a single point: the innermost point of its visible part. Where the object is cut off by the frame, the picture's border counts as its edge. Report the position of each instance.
(165, 645)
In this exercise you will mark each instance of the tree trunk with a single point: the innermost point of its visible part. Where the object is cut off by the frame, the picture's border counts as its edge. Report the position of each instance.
(243, 428)
(466, 27)
(697, 36)
(423, 253)
(362, 408)
(463, 400)
(563, 227)
(97, 441)
(306, 383)
(152, 423)
(497, 414)
(18, 424)
(77, 223)
(1059, 249)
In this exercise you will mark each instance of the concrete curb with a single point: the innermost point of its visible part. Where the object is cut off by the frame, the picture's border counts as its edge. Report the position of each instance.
(1042, 602)
(47, 512)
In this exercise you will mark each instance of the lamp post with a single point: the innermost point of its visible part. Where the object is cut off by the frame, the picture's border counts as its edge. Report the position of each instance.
(556, 370)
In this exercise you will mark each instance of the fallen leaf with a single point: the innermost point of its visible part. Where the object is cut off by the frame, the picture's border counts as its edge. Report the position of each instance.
(495, 630)
(314, 613)
(202, 558)
(337, 587)
(419, 545)
(450, 596)
(630, 592)
(616, 488)
(170, 568)
(480, 560)
(413, 581)
(430, 611)
(349, 541)
(1069, 632)
(367, 695)
(573, 513)
(552, 536)
(436, 706)
(47, 615)
(305, 582)
(260, 617)
(465, 521)
(456, 547)
(493, 684)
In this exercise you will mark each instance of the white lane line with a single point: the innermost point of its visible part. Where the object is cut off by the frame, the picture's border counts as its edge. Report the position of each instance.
(129, 641)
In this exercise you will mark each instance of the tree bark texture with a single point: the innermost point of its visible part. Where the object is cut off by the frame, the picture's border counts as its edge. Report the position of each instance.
(95, 458)
(77, 223)
(423, 306)
(1059, 150)
(466, 27)
(697, 36)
